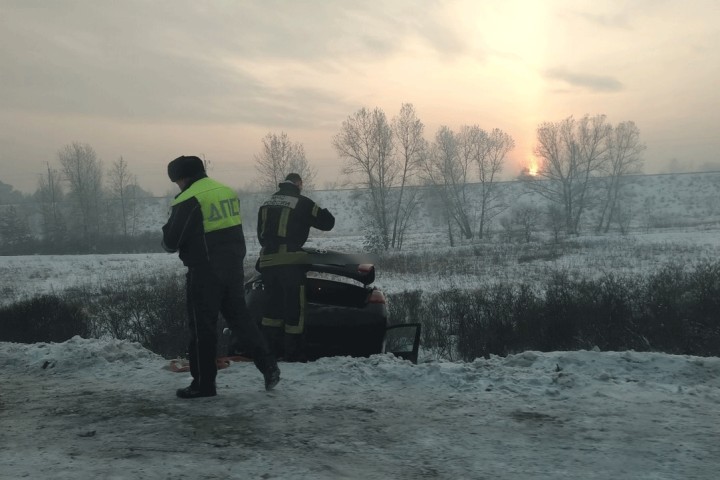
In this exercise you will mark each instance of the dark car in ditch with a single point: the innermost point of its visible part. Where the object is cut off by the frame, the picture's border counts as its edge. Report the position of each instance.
(344, 314)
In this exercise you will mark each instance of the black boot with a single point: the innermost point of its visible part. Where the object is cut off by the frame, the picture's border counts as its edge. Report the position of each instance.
(194, 391)
(266, 363)
(272, 377)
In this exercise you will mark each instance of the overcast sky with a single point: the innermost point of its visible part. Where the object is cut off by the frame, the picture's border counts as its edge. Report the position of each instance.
(151, 80)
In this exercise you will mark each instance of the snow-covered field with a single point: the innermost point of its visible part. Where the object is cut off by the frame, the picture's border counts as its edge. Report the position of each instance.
(590, 256)
(107, 410)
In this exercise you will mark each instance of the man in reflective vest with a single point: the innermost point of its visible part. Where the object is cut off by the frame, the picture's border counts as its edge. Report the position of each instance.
(283, 226)
(205, 227)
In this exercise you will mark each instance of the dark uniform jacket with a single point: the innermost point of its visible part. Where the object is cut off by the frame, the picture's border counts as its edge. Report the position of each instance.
(205, 225)
(284, 221)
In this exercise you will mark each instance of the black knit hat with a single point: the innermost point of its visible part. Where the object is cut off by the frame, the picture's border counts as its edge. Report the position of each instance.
(293, 177)
(185, 167)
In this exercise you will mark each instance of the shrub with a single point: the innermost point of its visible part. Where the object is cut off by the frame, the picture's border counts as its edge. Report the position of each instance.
(405, 307)
(674, 310)
(682, 308)
(527, 315)
(47, 318)
(439, 319)
(488, 326)
(151, 312)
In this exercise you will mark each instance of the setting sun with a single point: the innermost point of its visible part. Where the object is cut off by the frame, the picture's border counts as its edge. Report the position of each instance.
(532, 167)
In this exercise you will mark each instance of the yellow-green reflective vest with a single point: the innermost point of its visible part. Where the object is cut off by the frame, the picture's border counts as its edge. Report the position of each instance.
(219, 204)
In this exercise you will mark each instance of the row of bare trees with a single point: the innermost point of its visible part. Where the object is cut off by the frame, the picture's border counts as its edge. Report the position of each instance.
(384, 155)
(366, 142)
(458, 160)
(387, 157)
(100, 202)
(76, 204)
(585, 160)
(584, 163)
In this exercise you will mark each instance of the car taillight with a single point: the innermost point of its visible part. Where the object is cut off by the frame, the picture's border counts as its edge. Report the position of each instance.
(376, 297)
(366, 272)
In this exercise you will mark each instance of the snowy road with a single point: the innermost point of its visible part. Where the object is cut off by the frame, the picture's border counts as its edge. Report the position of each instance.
(106, 409)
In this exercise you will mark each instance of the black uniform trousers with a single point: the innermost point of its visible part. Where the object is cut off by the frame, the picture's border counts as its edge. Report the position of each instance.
(284, 311)
(208, 293)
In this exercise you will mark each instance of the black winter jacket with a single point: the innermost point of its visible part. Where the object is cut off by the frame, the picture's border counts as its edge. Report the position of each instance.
(205, 226)
(286, 219)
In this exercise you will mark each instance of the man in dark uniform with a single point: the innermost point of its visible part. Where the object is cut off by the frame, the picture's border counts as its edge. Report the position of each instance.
(283, 227)
(205, 226)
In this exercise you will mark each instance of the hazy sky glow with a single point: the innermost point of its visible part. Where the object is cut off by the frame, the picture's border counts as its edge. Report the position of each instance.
(149, 81)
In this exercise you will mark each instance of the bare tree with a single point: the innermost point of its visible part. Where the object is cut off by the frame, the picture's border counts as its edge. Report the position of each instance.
(365, 142)
(555, 220)
(50, 195)
(121, 183)
(15, 232)
(490, 159)
(411, 149)
(487, 152)
(624, 157)
(83, 172)
(592, 135)
(447, 168)
(471, 145)
(279, 157)
(522, 222)
(405, 214)
(572, 152)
